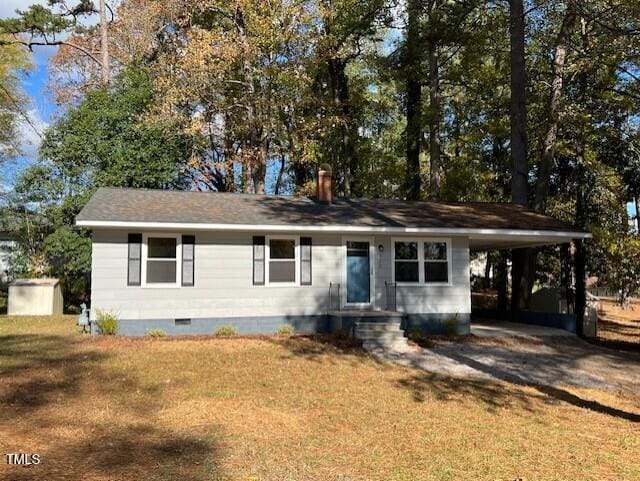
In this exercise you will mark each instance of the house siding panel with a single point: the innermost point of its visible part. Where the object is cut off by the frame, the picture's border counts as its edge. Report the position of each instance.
(223, 290)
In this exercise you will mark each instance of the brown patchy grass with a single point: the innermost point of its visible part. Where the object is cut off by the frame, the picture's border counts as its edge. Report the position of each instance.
(282, 409)
(618, 327)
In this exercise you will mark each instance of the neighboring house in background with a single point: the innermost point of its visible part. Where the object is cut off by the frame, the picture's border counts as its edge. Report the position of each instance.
(6, 245)
(187, 262)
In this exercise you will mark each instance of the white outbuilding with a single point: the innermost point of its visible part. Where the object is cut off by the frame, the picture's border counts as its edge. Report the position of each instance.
(35, 297)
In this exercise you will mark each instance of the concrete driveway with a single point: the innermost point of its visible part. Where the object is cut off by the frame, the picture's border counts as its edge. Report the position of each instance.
(526, 355)
(515, 329)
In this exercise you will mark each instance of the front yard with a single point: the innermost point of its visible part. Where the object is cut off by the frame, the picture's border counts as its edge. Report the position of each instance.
(287, 409)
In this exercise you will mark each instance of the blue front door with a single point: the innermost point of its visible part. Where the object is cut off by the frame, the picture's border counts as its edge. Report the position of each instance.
(358, 273)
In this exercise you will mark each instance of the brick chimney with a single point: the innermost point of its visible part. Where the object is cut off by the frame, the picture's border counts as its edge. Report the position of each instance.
(324, 185)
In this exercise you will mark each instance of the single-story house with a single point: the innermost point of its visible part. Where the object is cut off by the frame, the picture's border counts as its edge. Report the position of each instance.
(187, 262)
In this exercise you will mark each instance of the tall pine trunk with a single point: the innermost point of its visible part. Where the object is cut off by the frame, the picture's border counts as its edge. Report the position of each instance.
(520, 170)
(553, 110)
(414, 100)
(342, 105)
(435, 174)
(580, 254)
(518, 118)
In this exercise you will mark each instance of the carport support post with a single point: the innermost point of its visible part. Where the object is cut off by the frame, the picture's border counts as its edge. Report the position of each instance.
(581, 288)
(565, 275)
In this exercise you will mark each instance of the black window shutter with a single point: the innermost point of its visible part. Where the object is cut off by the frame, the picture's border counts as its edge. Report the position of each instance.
(188, 259)
(134, 258)
(258, 260)
(305, 261)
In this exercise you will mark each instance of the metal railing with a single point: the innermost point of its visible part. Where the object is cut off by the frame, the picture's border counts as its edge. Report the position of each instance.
(391, 293)
(334, 295)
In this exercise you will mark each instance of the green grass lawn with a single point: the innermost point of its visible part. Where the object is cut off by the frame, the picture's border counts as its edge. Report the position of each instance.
(281, 409)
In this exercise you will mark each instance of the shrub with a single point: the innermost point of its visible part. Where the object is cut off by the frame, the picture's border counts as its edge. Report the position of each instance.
(107, 322)
(450, 325)
(285, 330)
(417, 335)
(226, 330)
(156, 333)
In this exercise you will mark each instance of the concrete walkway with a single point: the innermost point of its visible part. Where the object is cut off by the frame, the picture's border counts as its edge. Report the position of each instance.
(515, 329)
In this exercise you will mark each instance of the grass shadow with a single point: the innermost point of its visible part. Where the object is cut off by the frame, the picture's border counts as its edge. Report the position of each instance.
(43, 379)
(494, 395)
(546, 389)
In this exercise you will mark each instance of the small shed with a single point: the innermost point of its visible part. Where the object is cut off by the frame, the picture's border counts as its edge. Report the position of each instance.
(35, 297)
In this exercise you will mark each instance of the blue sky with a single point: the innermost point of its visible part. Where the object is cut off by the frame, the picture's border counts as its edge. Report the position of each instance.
(41, 108)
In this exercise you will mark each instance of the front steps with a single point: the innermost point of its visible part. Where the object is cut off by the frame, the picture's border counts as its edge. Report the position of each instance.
(385, 336)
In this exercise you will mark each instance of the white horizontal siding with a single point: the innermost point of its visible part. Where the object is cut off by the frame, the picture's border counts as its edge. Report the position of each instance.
(223, 273)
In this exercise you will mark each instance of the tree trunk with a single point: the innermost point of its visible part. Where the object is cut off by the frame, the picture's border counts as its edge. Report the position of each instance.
(502, 281)
(259, 169)
(518, 120)
(414, 101)
(520, 171)
(104, 44)
(553, 113)
(280, 174)
(522, 276)
(435, 174)
(255, 163)
(580, 255)
(636, 201)
(565, 276)
(342, 105)
(487, 271)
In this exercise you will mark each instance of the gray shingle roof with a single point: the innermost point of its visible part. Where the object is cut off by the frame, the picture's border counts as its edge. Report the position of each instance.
(142, 205)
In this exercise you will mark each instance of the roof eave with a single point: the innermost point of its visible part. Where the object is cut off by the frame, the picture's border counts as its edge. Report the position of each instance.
(559, 235)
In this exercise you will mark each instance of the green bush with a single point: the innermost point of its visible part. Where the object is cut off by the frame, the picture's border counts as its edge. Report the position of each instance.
(107, 322)
(156, 333)
(417, 335)
(451, 325)
(226, 330)
(285, 330)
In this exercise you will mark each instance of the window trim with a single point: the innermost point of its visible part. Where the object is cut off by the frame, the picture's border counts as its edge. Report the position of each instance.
(145, 258)
(267, 260)
(421, 261)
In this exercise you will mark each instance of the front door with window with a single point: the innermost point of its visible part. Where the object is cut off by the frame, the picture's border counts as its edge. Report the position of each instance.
(358, 272)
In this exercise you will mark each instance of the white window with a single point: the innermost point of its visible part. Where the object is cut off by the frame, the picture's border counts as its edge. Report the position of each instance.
(436, 262)
(407, 266)
(421, 261)
(282, 260)
(161, 263)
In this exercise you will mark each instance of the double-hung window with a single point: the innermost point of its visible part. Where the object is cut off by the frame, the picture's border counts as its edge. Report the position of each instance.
(282, 260)
(161, 266)
(421, 261)
(161, 260)
(436, 262)
(407, 266)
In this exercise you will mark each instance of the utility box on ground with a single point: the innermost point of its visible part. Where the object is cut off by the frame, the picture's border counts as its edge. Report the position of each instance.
(35, 297)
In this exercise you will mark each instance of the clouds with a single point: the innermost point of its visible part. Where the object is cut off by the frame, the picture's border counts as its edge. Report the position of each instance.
(30, 134)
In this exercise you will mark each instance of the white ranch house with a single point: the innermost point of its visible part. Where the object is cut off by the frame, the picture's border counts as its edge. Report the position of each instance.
(187, 262)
